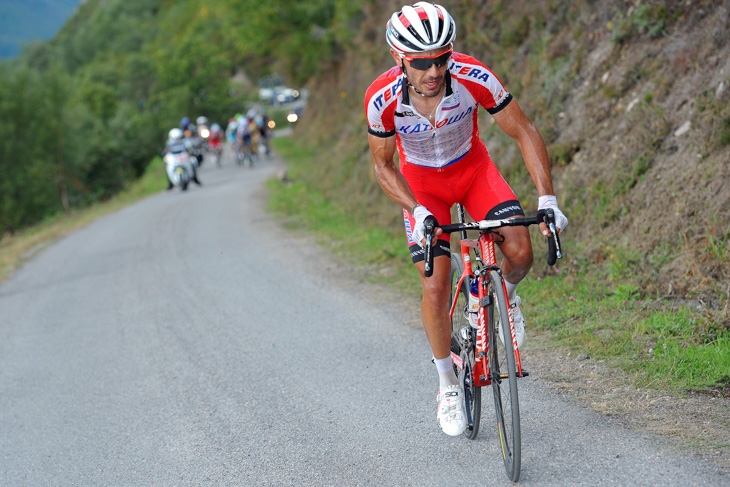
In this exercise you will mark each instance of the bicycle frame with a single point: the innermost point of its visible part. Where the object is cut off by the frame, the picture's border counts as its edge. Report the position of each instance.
(485, 244)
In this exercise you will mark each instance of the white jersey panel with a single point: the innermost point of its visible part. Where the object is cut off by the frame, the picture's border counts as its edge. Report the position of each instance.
(454, 130)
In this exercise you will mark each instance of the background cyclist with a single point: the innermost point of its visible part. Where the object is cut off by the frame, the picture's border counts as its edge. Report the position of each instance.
(426, 107)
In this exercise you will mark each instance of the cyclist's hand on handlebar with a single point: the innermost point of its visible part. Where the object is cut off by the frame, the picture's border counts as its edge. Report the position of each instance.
(419, 229)
(560, 219)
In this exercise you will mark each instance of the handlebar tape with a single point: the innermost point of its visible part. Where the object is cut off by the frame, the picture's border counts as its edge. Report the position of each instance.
(552, 257)
(431, 224)
(553, 240)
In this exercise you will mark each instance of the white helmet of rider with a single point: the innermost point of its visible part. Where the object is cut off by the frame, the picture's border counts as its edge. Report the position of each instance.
(421, 27)
(201, 120)
(175, 134)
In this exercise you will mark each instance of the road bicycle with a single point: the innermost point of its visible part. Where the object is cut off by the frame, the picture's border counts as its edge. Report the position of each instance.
(480, 355)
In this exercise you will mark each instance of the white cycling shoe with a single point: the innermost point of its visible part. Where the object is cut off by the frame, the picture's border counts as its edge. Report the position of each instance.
(518, 321)
(451, 412)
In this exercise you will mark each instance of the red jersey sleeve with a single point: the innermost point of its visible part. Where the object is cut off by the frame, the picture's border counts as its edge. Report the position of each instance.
(381, 100)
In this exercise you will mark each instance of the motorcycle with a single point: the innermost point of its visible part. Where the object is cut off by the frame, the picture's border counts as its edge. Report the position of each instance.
(204, 137)
(180, 167)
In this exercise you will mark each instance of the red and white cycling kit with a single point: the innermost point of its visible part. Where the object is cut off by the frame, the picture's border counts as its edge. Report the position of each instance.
(444, 162)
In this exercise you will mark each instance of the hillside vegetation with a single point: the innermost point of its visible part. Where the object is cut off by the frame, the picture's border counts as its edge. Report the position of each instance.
(86, 112)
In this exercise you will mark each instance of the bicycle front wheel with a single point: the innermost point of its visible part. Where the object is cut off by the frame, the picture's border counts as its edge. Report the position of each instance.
(503, 373)
(463, 342)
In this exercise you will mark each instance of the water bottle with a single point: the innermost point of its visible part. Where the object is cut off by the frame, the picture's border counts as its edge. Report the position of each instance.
(474, 303)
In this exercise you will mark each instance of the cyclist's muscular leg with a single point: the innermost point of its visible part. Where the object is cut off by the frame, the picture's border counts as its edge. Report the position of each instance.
(517, 251)
(435, 305)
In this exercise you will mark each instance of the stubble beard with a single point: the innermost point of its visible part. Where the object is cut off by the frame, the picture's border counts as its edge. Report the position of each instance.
(431, 92)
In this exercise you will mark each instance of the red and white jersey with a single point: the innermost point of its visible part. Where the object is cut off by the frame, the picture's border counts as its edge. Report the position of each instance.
(469, 83)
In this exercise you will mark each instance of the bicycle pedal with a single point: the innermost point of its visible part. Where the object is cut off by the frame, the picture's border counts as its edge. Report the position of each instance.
(505, 376)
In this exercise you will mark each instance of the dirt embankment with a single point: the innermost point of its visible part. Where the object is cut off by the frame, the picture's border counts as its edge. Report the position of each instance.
(648, 121)
(644, 133)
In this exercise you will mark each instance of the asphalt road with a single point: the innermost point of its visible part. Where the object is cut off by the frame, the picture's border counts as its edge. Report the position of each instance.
(190, 340)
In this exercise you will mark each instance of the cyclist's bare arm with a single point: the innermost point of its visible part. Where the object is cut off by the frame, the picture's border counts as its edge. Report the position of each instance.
(389, 177)
(515, 123)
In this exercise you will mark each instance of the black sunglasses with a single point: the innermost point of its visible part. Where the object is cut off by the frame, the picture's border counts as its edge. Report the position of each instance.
(424, 63)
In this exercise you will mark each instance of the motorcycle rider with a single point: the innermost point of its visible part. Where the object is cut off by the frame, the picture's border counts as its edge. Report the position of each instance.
(202, 131)
(175, 145)
(193, 143)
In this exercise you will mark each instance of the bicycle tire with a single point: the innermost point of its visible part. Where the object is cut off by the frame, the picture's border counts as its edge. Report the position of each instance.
(504, 382)
(464, 348)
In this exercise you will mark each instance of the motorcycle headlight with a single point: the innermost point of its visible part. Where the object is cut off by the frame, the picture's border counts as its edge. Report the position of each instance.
(205, 133)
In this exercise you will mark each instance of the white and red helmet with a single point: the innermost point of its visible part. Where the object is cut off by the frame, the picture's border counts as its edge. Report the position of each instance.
(421, 27)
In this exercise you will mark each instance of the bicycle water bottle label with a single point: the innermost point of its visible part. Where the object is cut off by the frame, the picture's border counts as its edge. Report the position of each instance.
(474, 304)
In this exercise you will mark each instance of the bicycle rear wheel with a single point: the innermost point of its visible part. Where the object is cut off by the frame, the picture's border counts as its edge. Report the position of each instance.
(503, 372)
(463, 341)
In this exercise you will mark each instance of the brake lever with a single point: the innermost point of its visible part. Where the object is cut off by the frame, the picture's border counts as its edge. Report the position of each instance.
(554, 250)
(558, 251)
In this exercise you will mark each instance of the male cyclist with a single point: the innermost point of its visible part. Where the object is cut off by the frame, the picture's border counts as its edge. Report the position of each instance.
(426, 107)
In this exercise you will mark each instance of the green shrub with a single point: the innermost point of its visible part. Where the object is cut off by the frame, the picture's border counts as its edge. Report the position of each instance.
(645, 20)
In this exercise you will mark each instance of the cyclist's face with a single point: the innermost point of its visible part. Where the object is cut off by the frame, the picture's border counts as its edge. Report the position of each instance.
(429, 81)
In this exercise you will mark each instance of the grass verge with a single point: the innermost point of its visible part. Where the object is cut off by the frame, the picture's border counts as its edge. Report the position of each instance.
(378, 252)
(662, 344)
(17, 248)
(593, 306)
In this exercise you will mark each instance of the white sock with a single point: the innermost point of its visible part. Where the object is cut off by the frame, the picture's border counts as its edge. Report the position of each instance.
(445, 367)
(511, 291)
